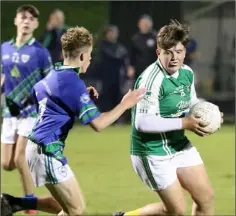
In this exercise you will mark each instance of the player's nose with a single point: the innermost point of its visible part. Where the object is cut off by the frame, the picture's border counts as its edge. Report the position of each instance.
(26, 21)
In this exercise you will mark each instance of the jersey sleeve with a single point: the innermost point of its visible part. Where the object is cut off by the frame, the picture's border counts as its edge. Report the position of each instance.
(86, 109)
(149, 105)
(45, 62)
(78, 99)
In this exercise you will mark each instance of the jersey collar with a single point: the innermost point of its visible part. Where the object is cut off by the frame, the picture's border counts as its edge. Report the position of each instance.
(60, 66)
(29, 42)
(175, 75)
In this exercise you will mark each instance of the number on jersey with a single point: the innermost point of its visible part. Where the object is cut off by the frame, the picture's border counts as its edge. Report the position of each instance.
(42, 108)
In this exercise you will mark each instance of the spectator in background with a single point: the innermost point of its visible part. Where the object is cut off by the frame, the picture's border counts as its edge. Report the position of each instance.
(143, 47)
(113, 66)
(51, 36)
(191, 50)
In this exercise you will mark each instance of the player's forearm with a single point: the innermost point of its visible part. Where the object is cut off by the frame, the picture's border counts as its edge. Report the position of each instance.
(107, 118)
(155, 124)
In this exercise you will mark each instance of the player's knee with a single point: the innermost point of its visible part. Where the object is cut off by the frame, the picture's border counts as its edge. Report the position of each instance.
(19, 159)
(211, 196)
(207, 199)
(7, 166)
(77, 211)
(178, 210)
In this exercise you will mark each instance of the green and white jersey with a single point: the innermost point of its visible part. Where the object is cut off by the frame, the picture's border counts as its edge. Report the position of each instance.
(167, 97)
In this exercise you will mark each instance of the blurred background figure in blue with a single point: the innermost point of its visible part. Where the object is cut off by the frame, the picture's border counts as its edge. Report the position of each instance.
(51, 36)
(192, 53)
(143, 47)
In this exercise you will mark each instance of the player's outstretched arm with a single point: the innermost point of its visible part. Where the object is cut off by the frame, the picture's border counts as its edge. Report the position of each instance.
(128, 101)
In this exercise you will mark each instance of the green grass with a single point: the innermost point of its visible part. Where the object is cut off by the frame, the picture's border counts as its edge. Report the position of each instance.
(102, 165)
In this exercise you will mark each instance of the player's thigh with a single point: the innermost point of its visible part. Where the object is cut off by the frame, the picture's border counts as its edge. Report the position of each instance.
(69, 195)
(7, 156)
(21, 143)
(25, 126)
(8, 139)
(195, 180)
(160, 176)
(174, 199)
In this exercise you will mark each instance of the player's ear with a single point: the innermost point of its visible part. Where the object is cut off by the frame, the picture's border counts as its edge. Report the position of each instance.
(15, 23)
(37, 24)
(158, 51)
(81, 57)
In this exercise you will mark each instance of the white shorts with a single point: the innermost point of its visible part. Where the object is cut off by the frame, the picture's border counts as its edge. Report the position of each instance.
(11, 127)
(45, 169)
(159, 172)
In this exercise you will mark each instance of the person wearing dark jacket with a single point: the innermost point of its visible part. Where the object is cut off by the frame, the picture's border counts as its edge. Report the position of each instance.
(143, 47)
(51, 36)
(113, 65)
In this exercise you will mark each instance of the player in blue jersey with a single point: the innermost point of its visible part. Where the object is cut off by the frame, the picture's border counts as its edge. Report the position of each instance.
(24, 63)
(62, 98)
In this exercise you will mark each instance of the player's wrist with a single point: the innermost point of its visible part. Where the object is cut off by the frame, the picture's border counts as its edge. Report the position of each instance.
(185, 122)
(123, 105)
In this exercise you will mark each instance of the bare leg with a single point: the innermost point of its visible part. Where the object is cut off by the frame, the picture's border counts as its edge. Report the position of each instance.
(7, 156)
(22, 166)
(48, 204)
(200, 190)
(69, 195)
(173, 203)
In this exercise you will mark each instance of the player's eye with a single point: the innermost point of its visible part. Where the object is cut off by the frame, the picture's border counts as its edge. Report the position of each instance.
(167, 52)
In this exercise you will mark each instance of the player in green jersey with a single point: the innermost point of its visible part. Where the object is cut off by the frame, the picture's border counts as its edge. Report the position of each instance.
(161, 154)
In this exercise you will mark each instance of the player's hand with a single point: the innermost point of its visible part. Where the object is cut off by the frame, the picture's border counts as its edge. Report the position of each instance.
(133, 97)
(93, 92)
(194, 124)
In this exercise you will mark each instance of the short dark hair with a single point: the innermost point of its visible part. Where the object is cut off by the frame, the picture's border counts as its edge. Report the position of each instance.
(171, 34)
(29, 8)
(74, 40)
(146, 16)
(109, 28)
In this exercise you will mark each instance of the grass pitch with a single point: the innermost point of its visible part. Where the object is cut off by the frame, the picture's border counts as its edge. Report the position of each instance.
(102, 166)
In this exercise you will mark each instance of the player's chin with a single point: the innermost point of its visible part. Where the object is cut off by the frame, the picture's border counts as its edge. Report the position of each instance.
(173, 69)
(27, 32)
